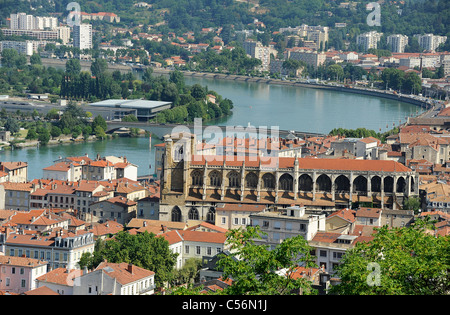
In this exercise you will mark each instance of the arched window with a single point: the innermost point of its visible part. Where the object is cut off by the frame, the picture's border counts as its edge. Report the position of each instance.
(211, 215)
(375, 184)
(360, 183)
(234, 179)
(215, 179)
(197, 178)
(342, 183)
(401, 185)
(193, 214)
(251, 180)
(388, 184)
(286, 182)
(268, 181)
(176, 214)
(323, 183)
(305, 183)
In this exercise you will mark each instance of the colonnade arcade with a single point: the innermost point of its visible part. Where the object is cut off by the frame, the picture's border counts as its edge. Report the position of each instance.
(334, 182)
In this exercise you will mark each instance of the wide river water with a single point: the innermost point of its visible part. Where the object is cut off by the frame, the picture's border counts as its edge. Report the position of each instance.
(260, 104)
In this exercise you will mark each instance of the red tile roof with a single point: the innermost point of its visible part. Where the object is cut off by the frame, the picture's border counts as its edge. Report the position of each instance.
(304, 163)
(124, 273)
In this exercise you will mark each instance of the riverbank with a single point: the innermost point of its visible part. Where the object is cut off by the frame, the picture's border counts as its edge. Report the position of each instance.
(411, 99)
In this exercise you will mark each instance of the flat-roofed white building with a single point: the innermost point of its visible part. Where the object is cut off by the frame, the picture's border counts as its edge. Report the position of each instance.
(116, 109)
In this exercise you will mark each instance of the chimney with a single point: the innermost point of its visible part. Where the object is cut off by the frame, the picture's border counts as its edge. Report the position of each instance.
(130, 268)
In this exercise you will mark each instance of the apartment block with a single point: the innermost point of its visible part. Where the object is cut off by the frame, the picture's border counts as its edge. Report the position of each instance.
(430, 42)
(368, 40)
(82, 36)
(397, 43)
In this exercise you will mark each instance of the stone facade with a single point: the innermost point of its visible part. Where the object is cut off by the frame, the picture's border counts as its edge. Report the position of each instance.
(193, 185)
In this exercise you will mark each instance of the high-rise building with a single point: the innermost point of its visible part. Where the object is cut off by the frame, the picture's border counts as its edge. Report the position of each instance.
(430, 42)
(257, 50)
(397, 43)
(368, 40)
(82, 36)
(23, 21)
(25, 48)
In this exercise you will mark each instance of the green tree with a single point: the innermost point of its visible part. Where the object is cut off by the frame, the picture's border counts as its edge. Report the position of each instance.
(35, 59)
(129, 118)
(189, 273)
(43, 136)
(55, 132)
(98, 67)
(73, 67)
(198, 92)
(144, 250)
(100, 132)
(31, 134)
(11, 125)
(9, 57)
(335, 72)
(99, 121)
(412, 203)
(398, 261)
(257, 271)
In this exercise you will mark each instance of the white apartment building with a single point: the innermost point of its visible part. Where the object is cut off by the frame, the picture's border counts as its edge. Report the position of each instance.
(257, 50)
(23, 21)
(328, 248)
(24, 48)
(82, 36)
(397, 42)
(306, 55)
(292, 222)
(60, 249)
(430, 42)
(115, 279)
(194, 244)
(368, 40)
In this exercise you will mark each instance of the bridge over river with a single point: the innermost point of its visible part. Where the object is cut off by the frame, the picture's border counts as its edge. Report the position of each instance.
(207, 131)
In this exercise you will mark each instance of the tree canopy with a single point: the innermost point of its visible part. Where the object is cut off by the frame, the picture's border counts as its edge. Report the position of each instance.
(398, 261)
(144, 250)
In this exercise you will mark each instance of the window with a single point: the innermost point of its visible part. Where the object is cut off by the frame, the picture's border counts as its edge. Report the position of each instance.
(197, 250)
(288, 226)
(323, 253)
(277, 225)
(337, 255)
(265, 224)
(208, 250)
(23, 283)
(186, 249)
(244, 221)
(236, 221)
(224, 220)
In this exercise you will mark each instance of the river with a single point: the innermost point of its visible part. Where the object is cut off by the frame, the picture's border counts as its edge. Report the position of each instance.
(260, 104)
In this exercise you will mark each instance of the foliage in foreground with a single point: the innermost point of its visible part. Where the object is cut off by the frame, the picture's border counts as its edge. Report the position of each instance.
(398, 261)
(258, 270)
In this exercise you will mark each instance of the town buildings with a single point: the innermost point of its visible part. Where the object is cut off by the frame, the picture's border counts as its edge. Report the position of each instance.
(430, 42)
(195, 184)
(368, 40)
(397, 42)
(82, 36)
(115, 279)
